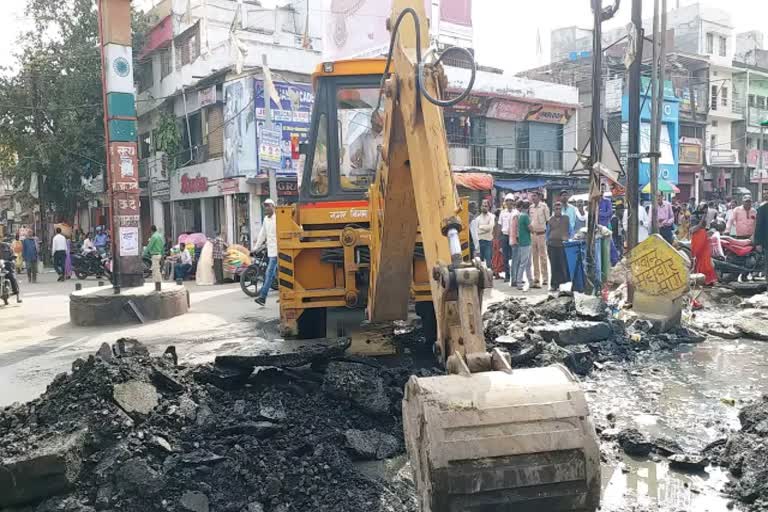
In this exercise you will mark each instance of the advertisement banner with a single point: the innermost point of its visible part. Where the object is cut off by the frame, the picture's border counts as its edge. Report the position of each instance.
(270, 156)
(507, 110)
(456, 11)
(753, 158)
(690, 153)
(239, 130)
(357, 28)
(290, 118)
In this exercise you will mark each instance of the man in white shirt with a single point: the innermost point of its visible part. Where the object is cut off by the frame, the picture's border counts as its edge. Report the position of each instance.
(643, 223)
(59, 251)
(183, 264)
(268, 236)
(88, 246)
(485, 223)
(504, 221)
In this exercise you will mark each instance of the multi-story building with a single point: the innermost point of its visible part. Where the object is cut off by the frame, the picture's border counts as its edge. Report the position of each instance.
(701, 46)
(201, 69)
(751, 88)
(521, 131)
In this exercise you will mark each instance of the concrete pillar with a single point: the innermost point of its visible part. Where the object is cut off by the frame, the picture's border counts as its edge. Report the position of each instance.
(158, 218)
(230, 218)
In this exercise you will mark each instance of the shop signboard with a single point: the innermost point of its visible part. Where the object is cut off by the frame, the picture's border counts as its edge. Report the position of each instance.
(549, 114)
(284, 188)
(207, 96)
(753, 158)
(690, 152)
(507, 110)
(290, 118)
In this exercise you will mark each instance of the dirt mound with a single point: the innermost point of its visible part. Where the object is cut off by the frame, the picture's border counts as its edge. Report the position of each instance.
(136, 433)
(745, 454)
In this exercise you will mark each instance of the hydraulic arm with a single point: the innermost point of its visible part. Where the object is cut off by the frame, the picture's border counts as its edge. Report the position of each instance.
(484, 437)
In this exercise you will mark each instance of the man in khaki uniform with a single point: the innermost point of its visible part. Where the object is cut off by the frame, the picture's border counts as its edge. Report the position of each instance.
(539, 214)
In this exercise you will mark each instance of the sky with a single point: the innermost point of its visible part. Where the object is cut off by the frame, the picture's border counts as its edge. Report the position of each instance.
(505, 30)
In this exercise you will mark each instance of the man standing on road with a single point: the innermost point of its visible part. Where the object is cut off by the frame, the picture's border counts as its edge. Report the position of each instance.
(218, 258)
(514, 254)
(666, 217)
(524, 245)
(485, 223)
(268, 236)
(559, 231)
(568, 209)
(29, 253)
(539, 214)
(59, 251)
(155, 249)
(474, 248)
(742, 221)
(760, 238)
(505, 218)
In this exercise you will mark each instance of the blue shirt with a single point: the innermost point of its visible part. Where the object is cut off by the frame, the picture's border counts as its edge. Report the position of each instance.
(100, 240)
(29, 249)
(570, 212)
(605, 213)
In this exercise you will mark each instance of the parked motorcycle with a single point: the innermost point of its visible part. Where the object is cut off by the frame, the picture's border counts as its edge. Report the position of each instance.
(741, 260)
(85, 265)
(5, 284)
(253, 276)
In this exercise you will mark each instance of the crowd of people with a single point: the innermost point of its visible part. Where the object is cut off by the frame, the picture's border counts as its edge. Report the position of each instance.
(522, 240)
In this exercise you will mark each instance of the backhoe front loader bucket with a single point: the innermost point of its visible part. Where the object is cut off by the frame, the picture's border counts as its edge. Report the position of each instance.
(519, 441)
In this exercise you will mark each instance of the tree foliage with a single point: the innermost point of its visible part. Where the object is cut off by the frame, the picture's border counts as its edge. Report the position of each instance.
(51, 105)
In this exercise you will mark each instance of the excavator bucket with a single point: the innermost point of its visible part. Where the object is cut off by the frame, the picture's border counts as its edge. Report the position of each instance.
(519, 441)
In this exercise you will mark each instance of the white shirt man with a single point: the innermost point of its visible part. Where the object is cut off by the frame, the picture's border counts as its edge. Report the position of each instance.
(185, 257)
(88, 246)
(643, 223)
(268, 236)
(59, 243)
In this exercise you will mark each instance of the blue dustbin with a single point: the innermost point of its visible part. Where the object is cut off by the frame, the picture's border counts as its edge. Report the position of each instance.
(575, 255)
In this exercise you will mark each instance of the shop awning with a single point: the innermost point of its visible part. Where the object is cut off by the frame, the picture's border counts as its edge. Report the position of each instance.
(519, 184)
(473, 180)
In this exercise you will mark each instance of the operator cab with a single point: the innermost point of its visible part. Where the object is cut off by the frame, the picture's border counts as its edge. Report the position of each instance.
(343, 151)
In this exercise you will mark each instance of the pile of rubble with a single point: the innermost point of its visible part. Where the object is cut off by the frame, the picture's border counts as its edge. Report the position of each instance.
(578, 331)
(128, 432)
(745, 454)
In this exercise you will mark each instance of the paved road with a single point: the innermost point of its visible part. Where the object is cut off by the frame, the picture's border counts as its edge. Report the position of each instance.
(37, 341)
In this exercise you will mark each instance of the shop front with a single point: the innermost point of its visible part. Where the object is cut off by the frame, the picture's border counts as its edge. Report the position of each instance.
(204, 201)
(721, 166)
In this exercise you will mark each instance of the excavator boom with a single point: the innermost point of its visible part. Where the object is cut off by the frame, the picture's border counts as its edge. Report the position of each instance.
(485, 437)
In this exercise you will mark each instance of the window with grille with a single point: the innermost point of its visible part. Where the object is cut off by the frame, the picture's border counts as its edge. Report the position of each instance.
(713, 99)
(165, 63)
(144, 76)
(188, 46)
(710, 43)
(723, 47)
(724, 96)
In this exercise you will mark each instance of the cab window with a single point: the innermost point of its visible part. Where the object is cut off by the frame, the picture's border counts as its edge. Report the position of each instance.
(319, 179)
(358, 143)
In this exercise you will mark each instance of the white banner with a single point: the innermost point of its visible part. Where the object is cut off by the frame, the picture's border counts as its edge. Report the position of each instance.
(129, 241)
(119, 68)
(357, 28)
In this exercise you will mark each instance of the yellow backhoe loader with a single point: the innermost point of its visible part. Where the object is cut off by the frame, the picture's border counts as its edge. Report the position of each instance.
(379, 222)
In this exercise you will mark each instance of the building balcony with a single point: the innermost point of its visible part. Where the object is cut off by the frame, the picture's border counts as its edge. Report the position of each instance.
(504, 158)
(726, 113)
(757, 116)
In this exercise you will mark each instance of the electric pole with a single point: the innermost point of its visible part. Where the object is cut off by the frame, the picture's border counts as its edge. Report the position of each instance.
(596, 137)
(658, 73)
(633, 157)
(268, 126)
(655, 120)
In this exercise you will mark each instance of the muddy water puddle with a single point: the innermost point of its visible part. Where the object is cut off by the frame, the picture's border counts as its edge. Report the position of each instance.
(692, 396)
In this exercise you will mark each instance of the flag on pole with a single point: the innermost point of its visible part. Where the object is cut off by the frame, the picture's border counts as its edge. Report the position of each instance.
(269, 85)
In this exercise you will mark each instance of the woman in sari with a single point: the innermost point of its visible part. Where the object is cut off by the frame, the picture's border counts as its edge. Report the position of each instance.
(497, 258)
(683, 222)
(701, 249)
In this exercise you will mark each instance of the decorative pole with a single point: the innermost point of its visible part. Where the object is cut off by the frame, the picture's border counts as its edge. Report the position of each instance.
(122, 174)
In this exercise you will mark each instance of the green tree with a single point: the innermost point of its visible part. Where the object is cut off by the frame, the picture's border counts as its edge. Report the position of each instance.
(51, 105)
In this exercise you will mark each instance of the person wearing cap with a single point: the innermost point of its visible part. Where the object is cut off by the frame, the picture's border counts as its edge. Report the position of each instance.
(505, 218)
(539, 214)
(268, 236)
(743, 219)
(568, 209)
